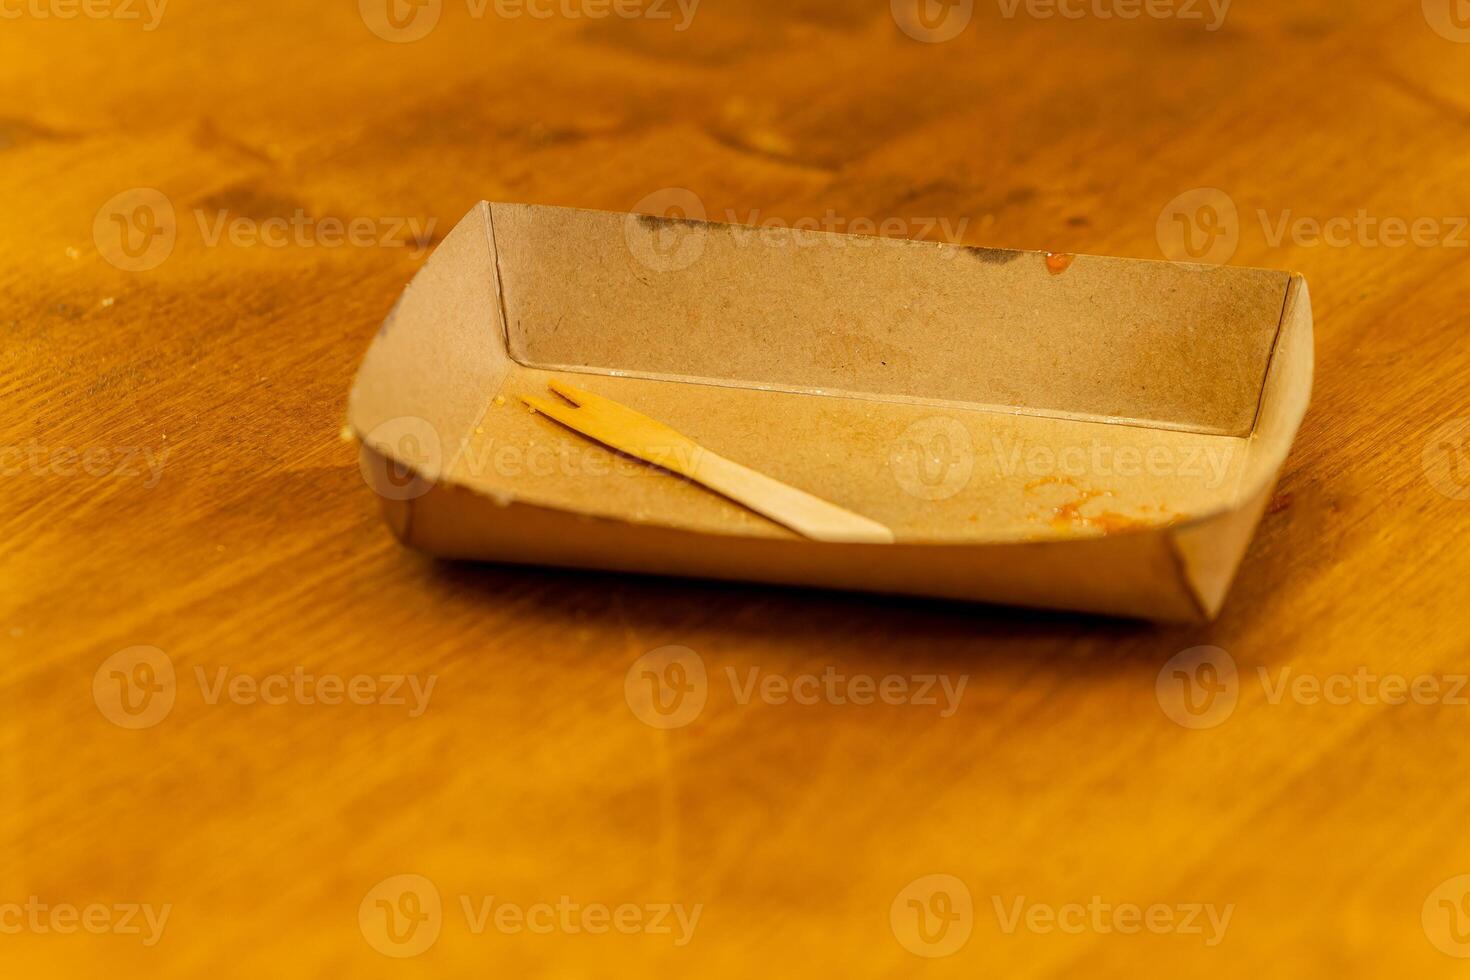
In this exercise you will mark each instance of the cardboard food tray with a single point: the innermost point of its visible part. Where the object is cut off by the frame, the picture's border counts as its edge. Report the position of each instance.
(1081, 433)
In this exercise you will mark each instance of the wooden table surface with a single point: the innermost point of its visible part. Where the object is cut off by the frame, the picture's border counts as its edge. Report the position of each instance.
(178, 498)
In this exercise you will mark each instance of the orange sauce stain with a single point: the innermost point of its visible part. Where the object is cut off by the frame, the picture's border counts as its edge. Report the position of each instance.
(1112, 523)
(1059, 262)
(1068, 517)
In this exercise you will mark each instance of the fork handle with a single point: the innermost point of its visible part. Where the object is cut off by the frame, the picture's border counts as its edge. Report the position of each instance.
(785, 504)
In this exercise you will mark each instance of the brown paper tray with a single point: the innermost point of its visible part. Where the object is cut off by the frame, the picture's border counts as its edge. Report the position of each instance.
(1096, 434)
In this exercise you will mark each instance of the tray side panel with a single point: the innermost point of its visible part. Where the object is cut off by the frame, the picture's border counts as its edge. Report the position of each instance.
(1160, 343)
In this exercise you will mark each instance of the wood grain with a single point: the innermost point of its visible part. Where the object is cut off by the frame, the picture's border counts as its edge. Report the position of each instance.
(252, 544)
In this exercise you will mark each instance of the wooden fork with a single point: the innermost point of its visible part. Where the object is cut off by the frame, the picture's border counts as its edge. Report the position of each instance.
(616, 425)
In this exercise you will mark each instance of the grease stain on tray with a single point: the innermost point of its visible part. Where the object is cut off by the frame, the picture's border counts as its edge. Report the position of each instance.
(992, 256)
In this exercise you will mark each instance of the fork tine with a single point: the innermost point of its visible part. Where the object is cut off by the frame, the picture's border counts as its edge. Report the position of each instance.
(574, 395)
(549, 408)
(605, 407)
(592, 406)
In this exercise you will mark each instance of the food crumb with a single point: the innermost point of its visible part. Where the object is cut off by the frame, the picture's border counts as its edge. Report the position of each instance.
(1058, 262)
